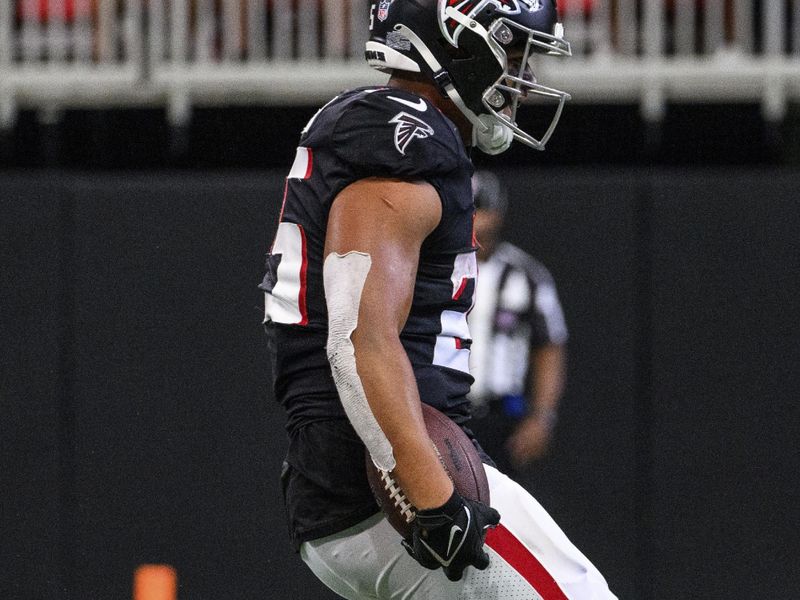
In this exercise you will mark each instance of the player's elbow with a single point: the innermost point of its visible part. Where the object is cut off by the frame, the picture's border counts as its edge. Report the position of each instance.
(377, 340)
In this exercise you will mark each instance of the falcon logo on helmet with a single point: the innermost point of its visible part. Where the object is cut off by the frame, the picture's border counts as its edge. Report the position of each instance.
(408, 127)
(451, 28)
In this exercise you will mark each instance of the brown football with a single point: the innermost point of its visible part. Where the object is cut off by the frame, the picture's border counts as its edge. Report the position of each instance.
(460, 460)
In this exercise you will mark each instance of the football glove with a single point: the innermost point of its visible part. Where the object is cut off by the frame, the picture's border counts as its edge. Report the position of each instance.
(451, 536)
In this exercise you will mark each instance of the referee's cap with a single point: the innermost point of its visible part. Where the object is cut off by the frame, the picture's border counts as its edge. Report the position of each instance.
(489, 193)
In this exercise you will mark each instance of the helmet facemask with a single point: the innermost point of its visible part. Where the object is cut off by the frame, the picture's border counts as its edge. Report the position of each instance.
(515, 47)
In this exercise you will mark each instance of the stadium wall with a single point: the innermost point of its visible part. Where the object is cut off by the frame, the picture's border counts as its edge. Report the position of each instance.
(138, 425)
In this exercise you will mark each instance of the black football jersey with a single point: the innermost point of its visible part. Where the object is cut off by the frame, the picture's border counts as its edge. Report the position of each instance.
(368, 132)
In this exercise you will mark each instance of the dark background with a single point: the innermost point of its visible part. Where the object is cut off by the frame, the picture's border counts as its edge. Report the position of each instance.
(137, 424)
(260, 137)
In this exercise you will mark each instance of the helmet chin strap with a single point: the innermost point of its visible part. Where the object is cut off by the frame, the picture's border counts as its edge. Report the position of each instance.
(495, 138)
(488, 135)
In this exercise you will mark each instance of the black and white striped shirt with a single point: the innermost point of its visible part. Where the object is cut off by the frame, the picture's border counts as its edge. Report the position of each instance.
(516, 310)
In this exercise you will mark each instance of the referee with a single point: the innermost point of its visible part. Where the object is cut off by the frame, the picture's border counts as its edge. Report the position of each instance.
(518, 354)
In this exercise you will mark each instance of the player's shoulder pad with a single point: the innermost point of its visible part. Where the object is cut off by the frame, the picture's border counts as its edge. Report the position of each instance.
(391, 132)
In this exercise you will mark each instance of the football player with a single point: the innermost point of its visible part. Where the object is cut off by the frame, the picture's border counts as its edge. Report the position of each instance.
(369, 280)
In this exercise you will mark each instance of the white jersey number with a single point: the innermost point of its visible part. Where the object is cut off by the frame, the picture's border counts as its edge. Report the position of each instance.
(449, 350)
(287, 302)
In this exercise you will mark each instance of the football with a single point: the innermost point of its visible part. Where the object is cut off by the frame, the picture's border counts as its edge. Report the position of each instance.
(460, 460)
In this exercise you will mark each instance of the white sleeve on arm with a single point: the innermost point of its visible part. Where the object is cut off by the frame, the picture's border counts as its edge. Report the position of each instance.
(344, 276)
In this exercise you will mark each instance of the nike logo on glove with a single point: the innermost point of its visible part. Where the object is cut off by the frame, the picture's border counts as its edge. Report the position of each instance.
(453, 531)
(420, 105)
(445, 562)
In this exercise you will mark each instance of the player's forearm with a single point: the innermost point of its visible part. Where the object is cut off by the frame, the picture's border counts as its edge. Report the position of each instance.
(548, 373)
(391, 390)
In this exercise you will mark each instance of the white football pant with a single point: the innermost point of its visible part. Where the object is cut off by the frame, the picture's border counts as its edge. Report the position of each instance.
(531, 559)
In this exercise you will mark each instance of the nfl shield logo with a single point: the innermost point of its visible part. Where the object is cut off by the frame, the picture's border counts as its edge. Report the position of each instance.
(383, 9)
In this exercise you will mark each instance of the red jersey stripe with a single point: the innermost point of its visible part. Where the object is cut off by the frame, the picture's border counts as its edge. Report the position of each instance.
(502, 541)
(301, 300)
(460, 289)
(310, 164)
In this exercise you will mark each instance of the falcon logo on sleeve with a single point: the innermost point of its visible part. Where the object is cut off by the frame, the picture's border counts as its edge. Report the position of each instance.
(407, 128)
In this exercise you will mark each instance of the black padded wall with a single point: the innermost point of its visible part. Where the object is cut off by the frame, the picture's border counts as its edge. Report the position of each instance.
(138, 425)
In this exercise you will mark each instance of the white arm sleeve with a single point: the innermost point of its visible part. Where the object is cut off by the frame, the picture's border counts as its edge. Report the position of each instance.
(344, 277)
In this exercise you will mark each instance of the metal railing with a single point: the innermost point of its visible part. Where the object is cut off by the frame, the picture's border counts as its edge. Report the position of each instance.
(57, 54)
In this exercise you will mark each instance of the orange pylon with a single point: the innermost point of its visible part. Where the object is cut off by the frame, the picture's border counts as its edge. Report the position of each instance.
(155, 582)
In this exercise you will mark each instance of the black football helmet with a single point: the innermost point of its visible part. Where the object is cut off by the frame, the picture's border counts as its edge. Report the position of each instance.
(477, 51)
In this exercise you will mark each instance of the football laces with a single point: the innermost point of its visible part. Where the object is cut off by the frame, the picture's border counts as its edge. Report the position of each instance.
(396, 494)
